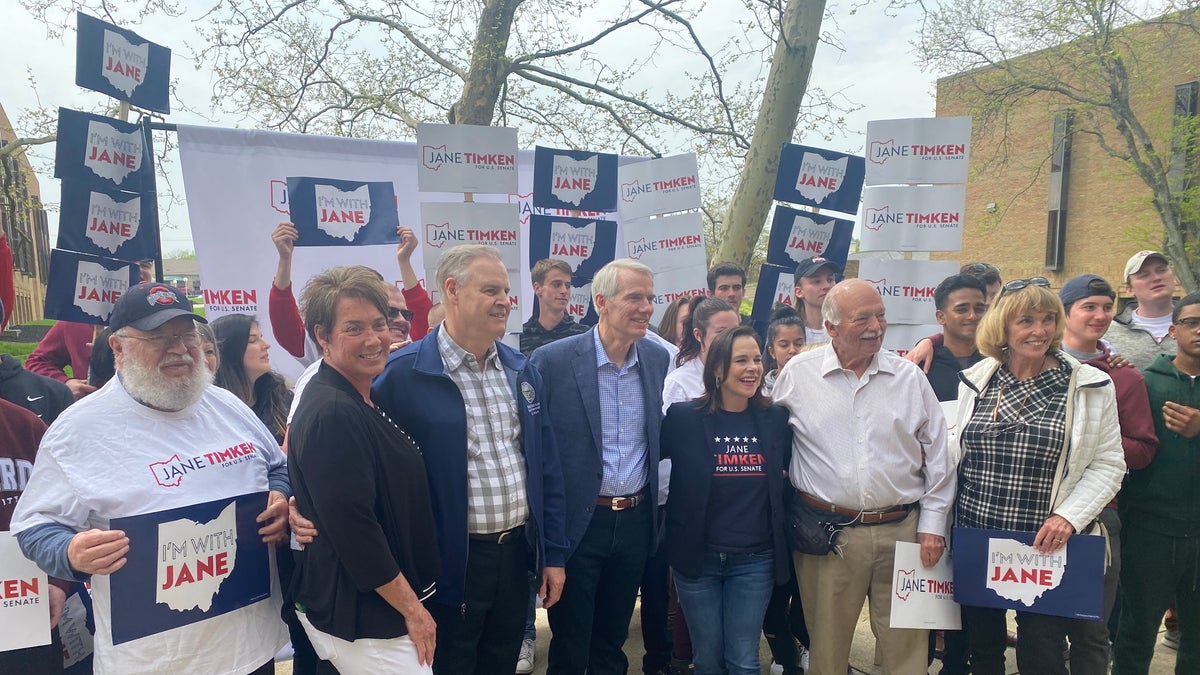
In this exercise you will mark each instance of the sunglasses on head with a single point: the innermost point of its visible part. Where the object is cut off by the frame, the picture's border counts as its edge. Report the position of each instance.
(980, 268)
(1018, 284)
(394, 312)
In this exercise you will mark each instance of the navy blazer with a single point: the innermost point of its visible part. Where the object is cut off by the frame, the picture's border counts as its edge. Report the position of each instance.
(569, 374)
(687, 434)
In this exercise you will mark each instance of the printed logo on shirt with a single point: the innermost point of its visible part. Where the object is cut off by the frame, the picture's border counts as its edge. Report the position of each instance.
(171, 471)
(737, 455)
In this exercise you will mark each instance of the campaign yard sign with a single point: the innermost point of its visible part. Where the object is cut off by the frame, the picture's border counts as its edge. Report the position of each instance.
(819, 178)
(575, 180)
(901, 337)
(927, 218)
(776, 284)
(919, 150)
(672, 246)
(24, 599)
(657, 186)
(466, 158)
(584, 244)
(189, 564)
(798, 235)
(922, 597)
(122, 64)
(332, 212)
(100, 151)
(107, 223)
(907, 286)
(445, 225)
(997, 568)
(83, 288)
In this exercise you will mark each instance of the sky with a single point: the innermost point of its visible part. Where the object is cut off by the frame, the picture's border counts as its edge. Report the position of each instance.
(875, 68)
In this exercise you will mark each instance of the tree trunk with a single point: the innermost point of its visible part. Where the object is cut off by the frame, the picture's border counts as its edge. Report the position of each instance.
(777, 116)
(489, 64)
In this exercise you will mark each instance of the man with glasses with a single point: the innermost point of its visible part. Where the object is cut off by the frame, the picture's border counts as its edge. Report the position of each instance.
(1141, 331)
(145, 443)
(1161, 515)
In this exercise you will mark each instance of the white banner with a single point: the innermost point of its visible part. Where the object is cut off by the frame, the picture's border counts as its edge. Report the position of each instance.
(235, 183)
(907, 287)
(913, 218)
(919, 150)
(658, 186)
(923, 597)
(467, 158)
(672, 246)
(445, 225)
(901, 338)
(24, 599)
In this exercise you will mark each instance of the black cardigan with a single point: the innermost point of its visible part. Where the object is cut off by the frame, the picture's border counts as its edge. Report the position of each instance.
(686, 439)
(362, 482)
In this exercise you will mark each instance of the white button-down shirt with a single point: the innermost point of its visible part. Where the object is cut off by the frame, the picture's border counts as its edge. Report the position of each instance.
(867, 443)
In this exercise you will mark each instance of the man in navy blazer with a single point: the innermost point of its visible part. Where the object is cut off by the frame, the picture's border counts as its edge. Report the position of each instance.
(604, 396)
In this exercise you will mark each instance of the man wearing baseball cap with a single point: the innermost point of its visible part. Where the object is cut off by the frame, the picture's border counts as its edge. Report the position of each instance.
(155, 439)
(1088, 301)
(1139, 332)
(814, 277)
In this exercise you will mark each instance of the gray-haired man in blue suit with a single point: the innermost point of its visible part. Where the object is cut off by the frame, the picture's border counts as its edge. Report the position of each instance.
(604, 392)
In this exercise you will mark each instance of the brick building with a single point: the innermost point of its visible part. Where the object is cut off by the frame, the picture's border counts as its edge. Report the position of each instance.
(24, 221)
(1034, 211)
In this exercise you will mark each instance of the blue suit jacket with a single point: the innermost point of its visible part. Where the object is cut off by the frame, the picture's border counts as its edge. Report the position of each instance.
(569, 373)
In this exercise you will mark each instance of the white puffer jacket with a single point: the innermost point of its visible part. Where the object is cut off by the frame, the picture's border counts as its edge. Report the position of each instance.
(1095, 462)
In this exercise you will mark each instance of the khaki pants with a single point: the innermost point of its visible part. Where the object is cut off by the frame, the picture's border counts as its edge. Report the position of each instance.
(833, 588)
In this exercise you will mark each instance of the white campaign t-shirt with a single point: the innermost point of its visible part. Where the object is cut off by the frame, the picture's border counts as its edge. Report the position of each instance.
(109, 456)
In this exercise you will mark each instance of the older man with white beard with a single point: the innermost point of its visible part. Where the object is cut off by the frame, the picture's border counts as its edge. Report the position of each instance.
(155, 438)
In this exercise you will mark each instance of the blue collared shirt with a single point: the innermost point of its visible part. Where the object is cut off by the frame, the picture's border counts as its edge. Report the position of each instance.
(623, 423)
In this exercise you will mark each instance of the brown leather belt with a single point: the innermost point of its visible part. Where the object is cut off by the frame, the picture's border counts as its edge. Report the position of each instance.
(874, 517)
(621, 503)
(497, 537)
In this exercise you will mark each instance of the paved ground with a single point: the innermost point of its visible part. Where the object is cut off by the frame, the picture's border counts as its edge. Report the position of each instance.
(862, 655)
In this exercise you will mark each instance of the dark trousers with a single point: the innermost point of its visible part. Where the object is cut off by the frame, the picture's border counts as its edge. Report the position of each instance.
(591, 620)
(783, 624)
(44, 660)
(483, 636)
(1040, 647)
(956, 651)
(656, 597)
(1156, 570)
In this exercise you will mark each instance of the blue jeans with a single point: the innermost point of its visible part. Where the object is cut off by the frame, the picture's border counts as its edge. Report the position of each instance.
(724, 608)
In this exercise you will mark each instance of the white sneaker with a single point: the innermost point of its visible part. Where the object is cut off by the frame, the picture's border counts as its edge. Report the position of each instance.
(803, 659)
(776, 669)
(525, 660)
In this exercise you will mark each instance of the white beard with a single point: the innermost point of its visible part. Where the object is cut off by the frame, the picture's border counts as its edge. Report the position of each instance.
(150, 387)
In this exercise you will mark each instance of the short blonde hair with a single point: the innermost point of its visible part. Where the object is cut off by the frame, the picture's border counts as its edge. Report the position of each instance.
(992, 336)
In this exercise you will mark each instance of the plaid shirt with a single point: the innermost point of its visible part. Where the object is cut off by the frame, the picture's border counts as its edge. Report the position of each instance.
(496, 499)
(1011, 446)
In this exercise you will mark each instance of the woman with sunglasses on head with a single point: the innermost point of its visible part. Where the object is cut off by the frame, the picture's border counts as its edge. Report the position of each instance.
(1039, 450)
(245, 370)
(724, 534)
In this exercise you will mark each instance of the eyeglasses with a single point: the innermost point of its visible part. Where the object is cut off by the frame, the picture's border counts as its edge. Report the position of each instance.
(1018, 284)
(1191, 323)
(394, 312)
(980, 268)
(190, 339)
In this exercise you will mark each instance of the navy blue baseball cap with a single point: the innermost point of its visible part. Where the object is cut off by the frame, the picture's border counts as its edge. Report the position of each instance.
(149, 305)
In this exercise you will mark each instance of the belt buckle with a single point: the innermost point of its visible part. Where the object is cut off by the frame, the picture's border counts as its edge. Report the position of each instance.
(503, 536)
(616, 504)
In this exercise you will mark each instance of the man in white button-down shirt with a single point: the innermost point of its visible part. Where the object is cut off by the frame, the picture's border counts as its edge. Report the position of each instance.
(869, 444)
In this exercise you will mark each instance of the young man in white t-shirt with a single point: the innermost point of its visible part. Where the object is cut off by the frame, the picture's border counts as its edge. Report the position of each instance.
(1139, 332)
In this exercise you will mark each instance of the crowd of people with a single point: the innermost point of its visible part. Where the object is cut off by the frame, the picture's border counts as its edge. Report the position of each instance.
(426, 486)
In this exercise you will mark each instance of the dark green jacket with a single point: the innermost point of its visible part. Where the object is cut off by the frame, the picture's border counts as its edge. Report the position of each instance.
(1164, 497)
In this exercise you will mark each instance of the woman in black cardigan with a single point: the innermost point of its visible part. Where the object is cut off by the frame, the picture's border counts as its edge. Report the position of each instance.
(359, 586)
(725, 515)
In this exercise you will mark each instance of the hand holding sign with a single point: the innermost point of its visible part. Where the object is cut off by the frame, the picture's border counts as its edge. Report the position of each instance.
(1054, 534)
(932, 548)
(98, 551)
(275, 518)
(284, 238)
